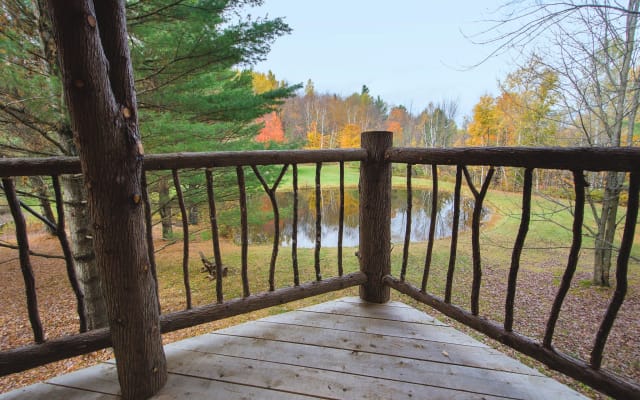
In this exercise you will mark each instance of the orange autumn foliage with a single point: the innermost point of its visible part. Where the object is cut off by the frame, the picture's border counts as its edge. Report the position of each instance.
(272, 130)
(349, 136)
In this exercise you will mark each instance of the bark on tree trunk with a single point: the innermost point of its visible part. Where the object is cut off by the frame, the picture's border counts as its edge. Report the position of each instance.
(73, 188)
(607, 229)
(98, 83)
(75, 198)
(193, 212)
(166, 214)
(194, 215)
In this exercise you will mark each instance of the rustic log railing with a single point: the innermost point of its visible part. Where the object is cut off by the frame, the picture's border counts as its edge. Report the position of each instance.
(576, 160)
(374, 278)
(45, 350)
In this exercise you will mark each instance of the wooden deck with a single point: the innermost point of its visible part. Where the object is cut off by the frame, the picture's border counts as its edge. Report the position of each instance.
(344, 349)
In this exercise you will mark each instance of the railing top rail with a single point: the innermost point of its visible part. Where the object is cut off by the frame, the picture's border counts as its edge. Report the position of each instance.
(258, 157)
(152, 162)
(569, 158)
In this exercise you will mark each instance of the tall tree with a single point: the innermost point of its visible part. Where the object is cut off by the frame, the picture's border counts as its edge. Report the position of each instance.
(436, 124)
(483, 127)
(593, 50)
(98, 84)
(192, 94)
(185, 53)
(527, 105)
(34, 122)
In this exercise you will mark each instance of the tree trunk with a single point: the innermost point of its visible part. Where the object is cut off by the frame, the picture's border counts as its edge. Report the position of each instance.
(98, 84)
(191, 202)
(84, 256)
(75, 196)
(607, 229)
(165, 207)
(194, 215)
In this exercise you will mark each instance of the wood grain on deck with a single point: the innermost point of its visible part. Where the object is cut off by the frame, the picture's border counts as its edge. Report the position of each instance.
(343, 349)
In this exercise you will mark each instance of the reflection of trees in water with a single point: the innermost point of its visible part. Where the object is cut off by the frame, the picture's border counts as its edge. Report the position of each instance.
(262, 232)
(421, 215)
(330, 207)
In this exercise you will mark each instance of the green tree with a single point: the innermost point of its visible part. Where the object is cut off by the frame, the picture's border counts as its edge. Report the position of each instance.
(34, 122)
(192, 95)
(528, 105)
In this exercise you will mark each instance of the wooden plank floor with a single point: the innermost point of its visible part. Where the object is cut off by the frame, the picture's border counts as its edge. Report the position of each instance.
(344, 349)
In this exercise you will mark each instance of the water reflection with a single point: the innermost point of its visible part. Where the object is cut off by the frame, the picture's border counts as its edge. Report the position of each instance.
(262, 232)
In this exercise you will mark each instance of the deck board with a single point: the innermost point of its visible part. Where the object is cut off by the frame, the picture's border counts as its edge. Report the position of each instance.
(343, 349)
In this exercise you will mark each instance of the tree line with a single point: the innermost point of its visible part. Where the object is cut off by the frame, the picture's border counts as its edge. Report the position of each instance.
(327, 120)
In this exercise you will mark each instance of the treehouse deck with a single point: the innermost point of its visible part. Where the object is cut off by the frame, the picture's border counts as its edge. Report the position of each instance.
(343, 349)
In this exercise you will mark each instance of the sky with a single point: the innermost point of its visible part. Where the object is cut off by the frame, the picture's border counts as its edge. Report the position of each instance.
(409, 52)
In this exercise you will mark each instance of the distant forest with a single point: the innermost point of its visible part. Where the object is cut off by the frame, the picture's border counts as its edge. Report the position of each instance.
(526, 112)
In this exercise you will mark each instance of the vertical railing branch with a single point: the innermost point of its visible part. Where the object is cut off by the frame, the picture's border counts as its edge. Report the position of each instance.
(454, 236)
(407, 232)
(375, 216)
(294, 233)
(271, 193)
(68, 255)
(432, 228)
(572, 263)
(25, 261)
(341, 220)
(621, 271)
(215, 235)
(318, 245)
(478, 197)
(151, 251)
(244, 233)
(517, 249)
(185, 237)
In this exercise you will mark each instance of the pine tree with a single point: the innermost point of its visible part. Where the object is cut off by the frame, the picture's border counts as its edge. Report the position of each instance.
(192, 95)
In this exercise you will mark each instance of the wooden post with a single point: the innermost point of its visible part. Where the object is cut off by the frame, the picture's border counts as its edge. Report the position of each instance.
(375, 216)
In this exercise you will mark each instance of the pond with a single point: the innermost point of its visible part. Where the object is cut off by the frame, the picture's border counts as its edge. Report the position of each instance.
(261, 224)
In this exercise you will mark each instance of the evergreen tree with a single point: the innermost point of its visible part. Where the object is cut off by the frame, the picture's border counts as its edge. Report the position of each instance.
(193, 94)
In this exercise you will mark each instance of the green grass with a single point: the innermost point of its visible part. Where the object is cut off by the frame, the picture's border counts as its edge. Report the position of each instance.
(329, 176)
(550, 222)
(546, 248)
(172, 290)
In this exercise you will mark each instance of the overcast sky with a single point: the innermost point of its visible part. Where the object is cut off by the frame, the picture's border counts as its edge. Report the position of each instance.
(409, 52)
